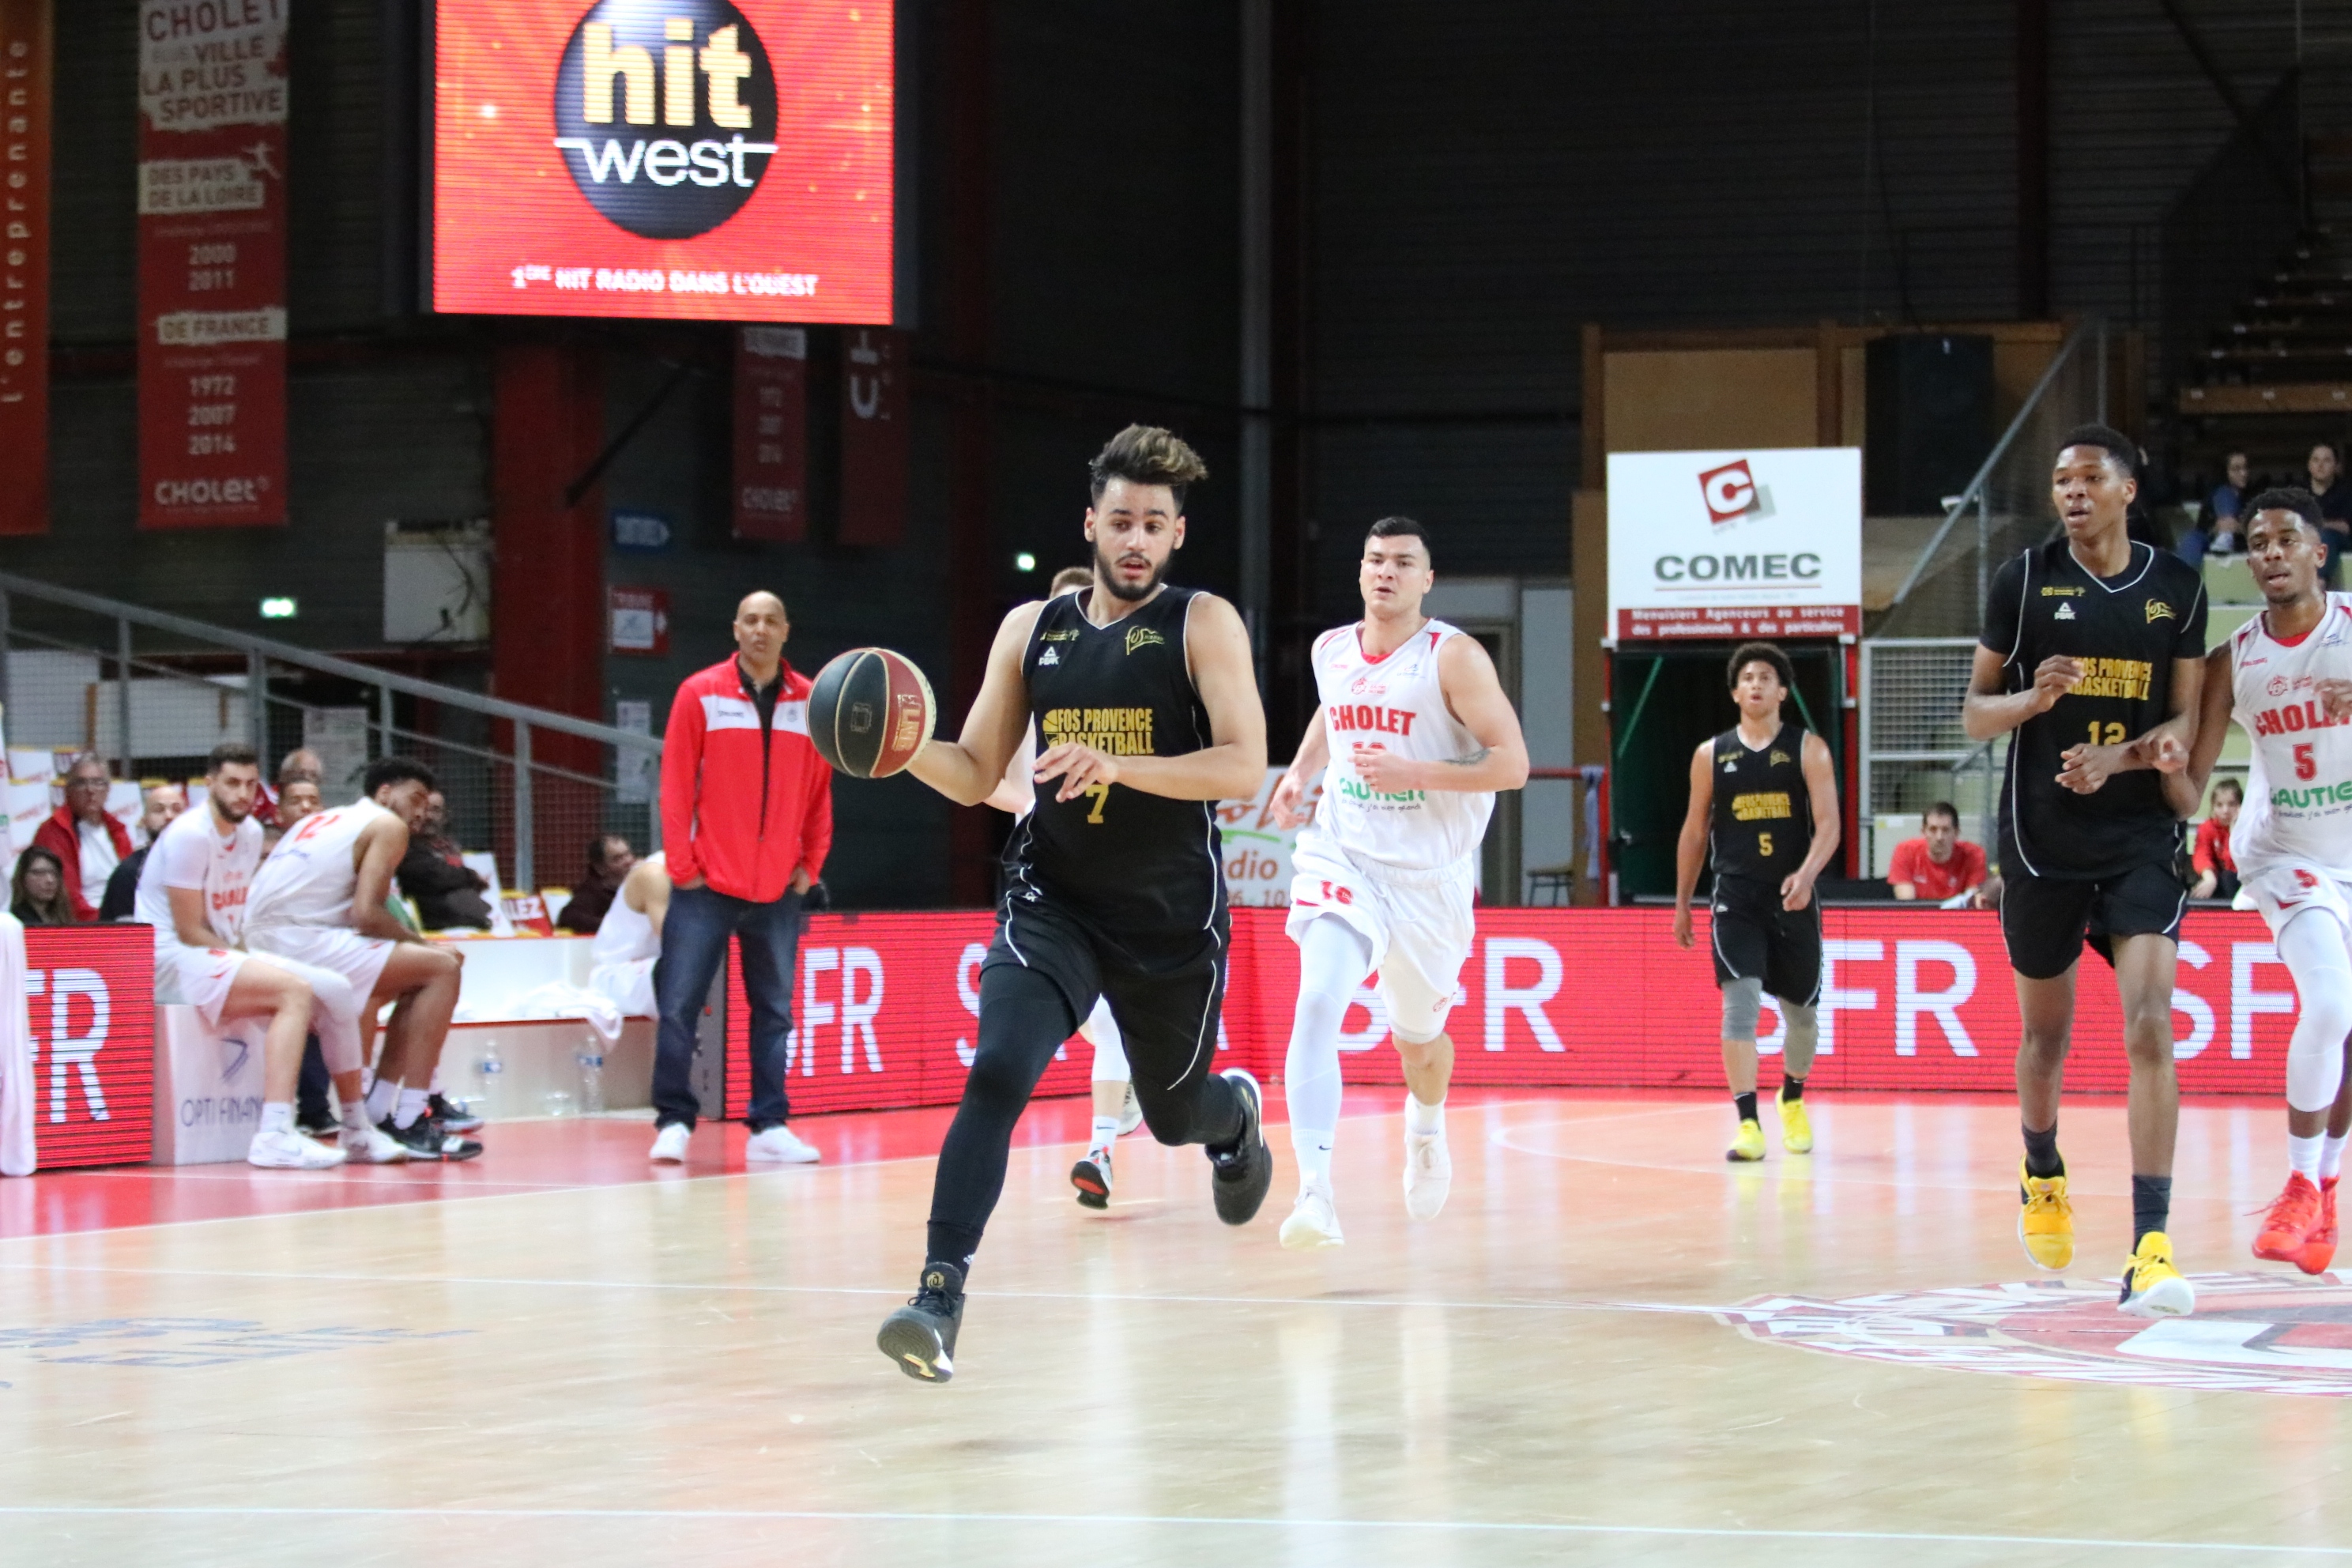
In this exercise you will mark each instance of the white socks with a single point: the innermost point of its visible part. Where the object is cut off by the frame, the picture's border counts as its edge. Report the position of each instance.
(1106, 1132)
(382, 1096)
(2303, 1153)
(2331, 1155)
(1422, 1120)
(412, 1106)
(355, 1119)
(278, 1116)
(1333, 958)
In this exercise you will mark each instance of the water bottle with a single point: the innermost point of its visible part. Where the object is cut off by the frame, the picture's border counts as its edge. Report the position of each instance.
(491, 1068)
(591, 1081)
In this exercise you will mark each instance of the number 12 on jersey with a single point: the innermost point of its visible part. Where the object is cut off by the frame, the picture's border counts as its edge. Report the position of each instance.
(2109, 734)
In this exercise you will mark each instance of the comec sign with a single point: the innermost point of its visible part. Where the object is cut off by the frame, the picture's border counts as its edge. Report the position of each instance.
(680, 158)
(1764, 543)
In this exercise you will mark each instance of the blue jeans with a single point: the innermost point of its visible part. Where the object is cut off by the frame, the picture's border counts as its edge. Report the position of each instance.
(693, 946)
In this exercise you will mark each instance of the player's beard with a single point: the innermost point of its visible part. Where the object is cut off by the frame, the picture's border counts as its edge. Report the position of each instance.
(1105, 573)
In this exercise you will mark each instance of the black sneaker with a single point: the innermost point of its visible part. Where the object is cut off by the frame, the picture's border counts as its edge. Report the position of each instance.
(322, 1126)
(1091, 1176)
(448, 1115)
(453, 1148)
(920, 1336)
(1241, 1174)
(427, 1139)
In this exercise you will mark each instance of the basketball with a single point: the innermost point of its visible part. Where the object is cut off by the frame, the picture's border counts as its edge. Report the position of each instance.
(870, 712)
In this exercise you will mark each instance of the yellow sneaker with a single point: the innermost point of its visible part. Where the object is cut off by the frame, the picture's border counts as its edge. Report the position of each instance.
(2153, 1288)
(1750, 1144)
(2046, 1224)
(1796, 1130)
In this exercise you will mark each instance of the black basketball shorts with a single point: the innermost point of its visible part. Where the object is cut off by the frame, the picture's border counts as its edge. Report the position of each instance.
(2046, 920)
(1166, 991)
(1755, 939)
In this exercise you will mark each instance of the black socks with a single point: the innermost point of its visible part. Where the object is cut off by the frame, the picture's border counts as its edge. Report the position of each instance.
(2041, 1160)
(1747, 1104)
(2151, 1205)
(951, 1243)
(1792, 1087)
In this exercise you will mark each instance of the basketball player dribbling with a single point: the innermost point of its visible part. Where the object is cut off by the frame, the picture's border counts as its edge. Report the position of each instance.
(2286, 678)
(1417, 736)
(2092, 654)
(1143, 697)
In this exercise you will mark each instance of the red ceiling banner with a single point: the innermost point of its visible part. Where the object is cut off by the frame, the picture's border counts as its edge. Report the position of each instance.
(771, 434)
(25, 83)
(212, 263)
(876, 441)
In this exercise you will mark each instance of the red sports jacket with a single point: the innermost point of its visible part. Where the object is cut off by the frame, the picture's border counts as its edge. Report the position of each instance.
(734, 814)
(61, 835)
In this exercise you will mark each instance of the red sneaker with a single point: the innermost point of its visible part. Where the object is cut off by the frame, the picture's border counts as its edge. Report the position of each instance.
(2294, 1214)
(2320, 1246)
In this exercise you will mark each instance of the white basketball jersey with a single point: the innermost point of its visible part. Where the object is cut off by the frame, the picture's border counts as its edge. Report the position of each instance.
(191, 853)
(625, 935)
(1394, 702)
(2299, 787)
(308, 878)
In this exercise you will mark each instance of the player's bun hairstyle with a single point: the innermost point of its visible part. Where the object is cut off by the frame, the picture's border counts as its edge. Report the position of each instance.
(1147, 455)
(396, 770)
(1943, 809)
(229, 751)
(1749, 652)
(2287, 498)
(1401, 527)
(2120, 448)
(1070, 577)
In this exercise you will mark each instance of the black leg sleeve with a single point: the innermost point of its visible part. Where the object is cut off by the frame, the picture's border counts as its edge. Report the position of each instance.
(1024, 1017)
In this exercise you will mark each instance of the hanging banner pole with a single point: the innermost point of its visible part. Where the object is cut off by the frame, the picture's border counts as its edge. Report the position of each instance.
(26, 55)
(212, 263)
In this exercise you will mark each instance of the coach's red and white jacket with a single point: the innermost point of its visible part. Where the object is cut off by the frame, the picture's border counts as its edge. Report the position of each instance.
(735, 814)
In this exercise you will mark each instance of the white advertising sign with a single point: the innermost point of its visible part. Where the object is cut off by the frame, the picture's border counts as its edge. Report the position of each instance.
(1257, 850)
(1756, 543)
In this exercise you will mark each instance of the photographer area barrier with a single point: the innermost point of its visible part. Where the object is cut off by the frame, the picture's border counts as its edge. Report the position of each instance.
(887, 1009)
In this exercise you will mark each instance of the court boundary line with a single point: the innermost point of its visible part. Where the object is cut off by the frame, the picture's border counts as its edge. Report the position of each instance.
(1498, 1526)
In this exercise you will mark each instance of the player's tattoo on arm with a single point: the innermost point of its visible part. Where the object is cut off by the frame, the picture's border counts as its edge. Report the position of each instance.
(1470, 759)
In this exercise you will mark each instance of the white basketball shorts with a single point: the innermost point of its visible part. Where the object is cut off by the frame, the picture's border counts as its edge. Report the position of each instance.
(357, 960)
(1419, 924)
(2285, 889)
(198, 977)
(628, 985)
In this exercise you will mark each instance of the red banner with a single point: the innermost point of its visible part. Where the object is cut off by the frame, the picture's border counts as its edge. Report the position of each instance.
(25, 83)
(887, 1009)
(771, 434)
(1731, 622)
(92, 999)
(212, 263)
(876, 444)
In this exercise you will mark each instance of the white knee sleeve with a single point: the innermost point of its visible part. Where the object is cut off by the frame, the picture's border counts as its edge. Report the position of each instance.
(1110, 1050)
(2313, 947)
(1333, 959)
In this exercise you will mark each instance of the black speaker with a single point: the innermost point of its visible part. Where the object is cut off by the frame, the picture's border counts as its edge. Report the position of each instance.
(1930, 420)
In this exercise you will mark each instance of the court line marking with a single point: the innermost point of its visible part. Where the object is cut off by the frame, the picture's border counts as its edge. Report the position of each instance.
(1499, 1527)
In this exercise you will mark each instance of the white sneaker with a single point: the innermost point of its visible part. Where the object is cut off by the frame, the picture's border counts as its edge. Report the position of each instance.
(288, 1149)
(669, 1144)
(1428, 1174)
(365, 1145)
(1131, 1112)
(1313, 1223)
(779, 1145)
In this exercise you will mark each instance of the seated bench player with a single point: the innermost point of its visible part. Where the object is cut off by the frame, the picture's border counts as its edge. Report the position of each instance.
(193, 889)
(628, 939)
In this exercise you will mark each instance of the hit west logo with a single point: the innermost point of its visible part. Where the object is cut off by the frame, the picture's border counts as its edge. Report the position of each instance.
(666, 110)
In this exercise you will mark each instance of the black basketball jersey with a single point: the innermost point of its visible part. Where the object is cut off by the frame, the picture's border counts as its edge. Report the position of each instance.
(1761, 827)
(1138, 865)
(2127, 630)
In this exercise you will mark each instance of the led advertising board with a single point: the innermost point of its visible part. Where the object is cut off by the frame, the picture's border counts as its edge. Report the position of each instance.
(712, 160)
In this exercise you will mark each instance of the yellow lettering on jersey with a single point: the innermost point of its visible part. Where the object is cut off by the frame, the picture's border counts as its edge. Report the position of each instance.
(2157, 610)
(2060, 593)
(1143, 636)
(2127, 677)
(1114, 732)
(1761, 807)
(1777, 758)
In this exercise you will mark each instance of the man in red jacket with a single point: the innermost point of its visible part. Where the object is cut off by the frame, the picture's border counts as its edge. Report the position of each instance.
(85, 838)
(747, 818)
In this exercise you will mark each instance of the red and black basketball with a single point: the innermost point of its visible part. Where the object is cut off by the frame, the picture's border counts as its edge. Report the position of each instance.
(870, 712)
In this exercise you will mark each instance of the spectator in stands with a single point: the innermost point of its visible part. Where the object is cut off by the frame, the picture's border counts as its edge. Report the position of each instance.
(609, 860)
(2216, 534)
(301, 763)
(1938, 865)
(448, 891)
(747, 819)
(2335, 500)
(158, 806)
(87, 841)
(36, 893)
(2217, 869)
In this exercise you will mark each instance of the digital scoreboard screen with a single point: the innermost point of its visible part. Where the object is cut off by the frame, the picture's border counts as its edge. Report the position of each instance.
(696, 159)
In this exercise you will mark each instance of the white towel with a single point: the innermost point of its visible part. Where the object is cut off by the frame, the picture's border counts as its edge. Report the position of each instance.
(17, 1156)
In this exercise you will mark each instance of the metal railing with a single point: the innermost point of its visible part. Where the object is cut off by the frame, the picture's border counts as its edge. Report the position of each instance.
(164, 706)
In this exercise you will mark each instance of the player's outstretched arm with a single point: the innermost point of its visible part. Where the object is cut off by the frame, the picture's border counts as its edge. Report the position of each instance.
(1987, 711)
(1820, 789)
(968, 768)
(380, 846)
(1473, 694)
(1231, 766)
(1313, 756)
(1690, 848)
(2184, 789)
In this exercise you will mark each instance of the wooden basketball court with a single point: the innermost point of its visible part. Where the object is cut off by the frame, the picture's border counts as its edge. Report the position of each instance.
(1611, 1348)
